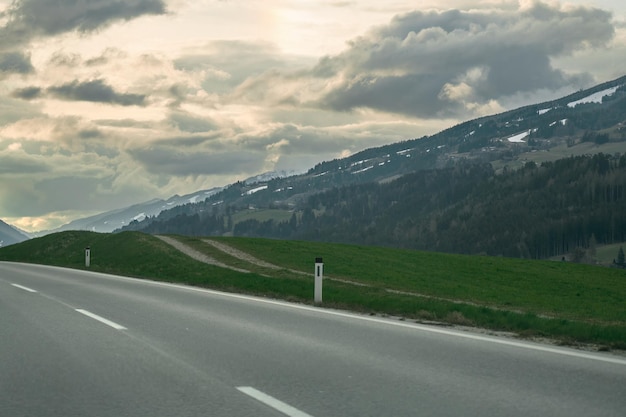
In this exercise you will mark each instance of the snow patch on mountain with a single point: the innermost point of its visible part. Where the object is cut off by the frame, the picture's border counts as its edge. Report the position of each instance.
(519, 138)
(255, 190)
(595, 97)
(363, 170)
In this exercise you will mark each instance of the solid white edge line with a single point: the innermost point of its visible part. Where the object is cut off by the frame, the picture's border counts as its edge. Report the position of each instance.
(101, 319)
(273, 402)
(21, 287)
(415, 326)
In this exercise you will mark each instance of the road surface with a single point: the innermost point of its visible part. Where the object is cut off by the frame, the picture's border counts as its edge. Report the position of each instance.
(76, 343)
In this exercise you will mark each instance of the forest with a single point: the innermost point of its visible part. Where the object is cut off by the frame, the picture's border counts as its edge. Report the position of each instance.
(538, 211)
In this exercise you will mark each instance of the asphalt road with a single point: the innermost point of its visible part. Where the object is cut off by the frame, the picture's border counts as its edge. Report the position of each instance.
(77, 343)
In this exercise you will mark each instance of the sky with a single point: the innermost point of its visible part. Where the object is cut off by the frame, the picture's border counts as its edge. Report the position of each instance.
(108, 103)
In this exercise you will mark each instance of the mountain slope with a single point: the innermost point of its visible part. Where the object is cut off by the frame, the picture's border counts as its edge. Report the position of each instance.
(10, 235)
(111, 220)
(115, 219)
(534, 212)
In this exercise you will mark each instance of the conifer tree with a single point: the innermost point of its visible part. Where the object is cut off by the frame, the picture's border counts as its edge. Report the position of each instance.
(620, 256)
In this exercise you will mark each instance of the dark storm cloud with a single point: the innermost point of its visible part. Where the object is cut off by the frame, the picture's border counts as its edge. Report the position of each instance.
(27, 93)
(170, 161)
(95, 91)
(28, 19)
(15, 63)
(192, 124)
(20, 165)
(90, 134)
(407, 94)
(433, 64)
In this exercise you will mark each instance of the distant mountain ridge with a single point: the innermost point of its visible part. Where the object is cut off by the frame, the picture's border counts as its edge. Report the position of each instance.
(10, 234)
(112, 220)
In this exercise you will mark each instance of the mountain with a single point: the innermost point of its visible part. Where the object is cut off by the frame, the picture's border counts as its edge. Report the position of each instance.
(588, 122)
(111, 220)
(10, 235)
(115, 219)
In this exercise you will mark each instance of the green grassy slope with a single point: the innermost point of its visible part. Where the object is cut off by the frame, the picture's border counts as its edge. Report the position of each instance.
(131, 254)
(570, 302)
(560, 289)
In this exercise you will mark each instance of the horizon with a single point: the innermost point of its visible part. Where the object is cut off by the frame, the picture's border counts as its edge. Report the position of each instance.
(104, 108)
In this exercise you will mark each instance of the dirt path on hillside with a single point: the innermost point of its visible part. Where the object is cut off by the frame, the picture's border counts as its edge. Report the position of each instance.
(198, 256)
(236, 253)
(255, 261)
(244, 256)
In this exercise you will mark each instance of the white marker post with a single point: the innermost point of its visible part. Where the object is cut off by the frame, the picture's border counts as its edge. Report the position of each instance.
(319, 270)
(87, 256)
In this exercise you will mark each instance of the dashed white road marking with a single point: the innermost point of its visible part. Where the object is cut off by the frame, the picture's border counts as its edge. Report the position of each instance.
(101, 319)
(21, 287)
(272, 402)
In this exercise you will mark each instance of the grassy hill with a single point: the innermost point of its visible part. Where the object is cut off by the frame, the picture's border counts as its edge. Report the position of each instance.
(560, 300)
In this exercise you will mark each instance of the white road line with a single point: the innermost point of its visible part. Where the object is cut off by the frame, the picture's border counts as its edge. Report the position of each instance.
(273, 402)
(414, 326)
(21, 287)
(101, 319)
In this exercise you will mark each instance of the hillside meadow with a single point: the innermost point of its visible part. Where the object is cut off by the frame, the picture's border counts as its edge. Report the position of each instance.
(570, 303)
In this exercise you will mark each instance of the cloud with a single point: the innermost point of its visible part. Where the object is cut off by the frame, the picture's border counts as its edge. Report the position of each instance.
(95, 91)
(51, 192)
(119, 77)
(74, 166)
(235, 155)
(444, 63)
(193, 124)
(419, 62)
(27, 93)
(194, 162)
(15, 63)
(16, 165)
(12, 110)
(28, 19)
(226, 64)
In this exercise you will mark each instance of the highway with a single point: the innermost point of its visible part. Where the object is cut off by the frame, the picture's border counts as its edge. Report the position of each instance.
(75, 343)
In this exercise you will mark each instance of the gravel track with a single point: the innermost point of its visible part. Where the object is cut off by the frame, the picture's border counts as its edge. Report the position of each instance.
(198, 256)
(236, 253)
